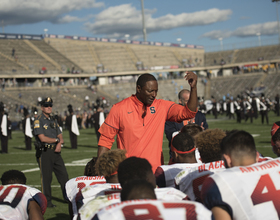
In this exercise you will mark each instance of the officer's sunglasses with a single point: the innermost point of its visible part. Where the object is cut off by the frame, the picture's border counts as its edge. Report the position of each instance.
(47, 105)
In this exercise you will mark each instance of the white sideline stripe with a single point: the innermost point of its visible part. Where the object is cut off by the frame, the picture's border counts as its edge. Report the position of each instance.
(67, 165)
(30, 170)
(39, 186)
(81, 163)
(63, 152)
(18, 164)
(255, 135)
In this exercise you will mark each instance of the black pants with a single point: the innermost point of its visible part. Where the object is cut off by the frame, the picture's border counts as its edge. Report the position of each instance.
(4, 144)
(264, 115)
(238, 116)
(51, 161)
(28, 143)
(96, 127)
(73, 140)
(249, 114)
(231, 115)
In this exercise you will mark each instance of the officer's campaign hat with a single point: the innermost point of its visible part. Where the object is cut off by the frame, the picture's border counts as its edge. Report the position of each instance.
(47, 100)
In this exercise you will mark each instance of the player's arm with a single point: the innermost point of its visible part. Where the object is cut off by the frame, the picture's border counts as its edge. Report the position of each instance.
(220, 214)
(191, 77)
(34, 211)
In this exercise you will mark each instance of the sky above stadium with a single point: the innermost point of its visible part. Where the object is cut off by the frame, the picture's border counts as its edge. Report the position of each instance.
(200, 22)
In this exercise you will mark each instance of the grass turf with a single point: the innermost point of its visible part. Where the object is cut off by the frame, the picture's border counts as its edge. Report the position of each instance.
(75, 160)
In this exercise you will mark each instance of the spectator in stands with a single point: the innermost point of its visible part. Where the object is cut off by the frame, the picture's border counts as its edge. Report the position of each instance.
(3, 83)
(149, 116)
(246, 183)
(13, 52)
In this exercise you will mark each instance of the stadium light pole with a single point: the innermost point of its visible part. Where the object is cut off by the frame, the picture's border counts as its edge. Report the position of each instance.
(221, 41)
(143, 21)
(259, 36)
(276, 2)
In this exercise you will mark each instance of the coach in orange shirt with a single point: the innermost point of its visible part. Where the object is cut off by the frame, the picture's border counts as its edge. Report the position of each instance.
(138, 121)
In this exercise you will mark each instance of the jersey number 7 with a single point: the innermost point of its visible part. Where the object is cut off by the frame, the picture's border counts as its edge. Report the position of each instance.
(14, 197)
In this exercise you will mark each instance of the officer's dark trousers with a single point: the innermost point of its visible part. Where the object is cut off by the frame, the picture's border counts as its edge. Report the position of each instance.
(52, 161)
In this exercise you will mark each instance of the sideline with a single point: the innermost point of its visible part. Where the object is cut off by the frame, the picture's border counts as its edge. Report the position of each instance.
(81, 163)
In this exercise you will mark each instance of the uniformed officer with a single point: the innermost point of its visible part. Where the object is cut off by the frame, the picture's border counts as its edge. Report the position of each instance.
(49, 142)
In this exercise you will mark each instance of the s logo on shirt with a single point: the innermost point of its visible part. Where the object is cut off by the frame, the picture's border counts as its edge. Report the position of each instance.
(152, 110)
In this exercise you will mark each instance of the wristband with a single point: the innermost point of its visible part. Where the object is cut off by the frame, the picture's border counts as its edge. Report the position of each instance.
(57, 140)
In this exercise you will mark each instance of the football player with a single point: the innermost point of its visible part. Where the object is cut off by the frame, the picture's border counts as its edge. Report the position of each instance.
(190, 181)
(246, 189)
(19, 201)
(74, 185)
(183, 154)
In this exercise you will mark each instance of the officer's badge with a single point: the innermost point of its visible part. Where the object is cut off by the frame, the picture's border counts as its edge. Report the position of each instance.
(45, 126)
(36, 124)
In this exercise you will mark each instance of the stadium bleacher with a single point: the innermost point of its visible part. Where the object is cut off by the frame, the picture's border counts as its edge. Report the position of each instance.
(61, 56)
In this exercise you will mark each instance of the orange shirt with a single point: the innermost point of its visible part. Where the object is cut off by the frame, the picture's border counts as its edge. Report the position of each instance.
(141, 137)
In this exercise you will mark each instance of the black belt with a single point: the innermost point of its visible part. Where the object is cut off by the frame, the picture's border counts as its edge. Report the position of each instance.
(50, 146)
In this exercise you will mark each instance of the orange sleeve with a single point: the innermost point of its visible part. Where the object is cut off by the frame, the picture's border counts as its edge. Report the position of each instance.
(179, 113)
(105, 142)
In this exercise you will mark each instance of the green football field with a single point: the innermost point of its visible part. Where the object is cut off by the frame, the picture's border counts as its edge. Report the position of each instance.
(75, 160)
